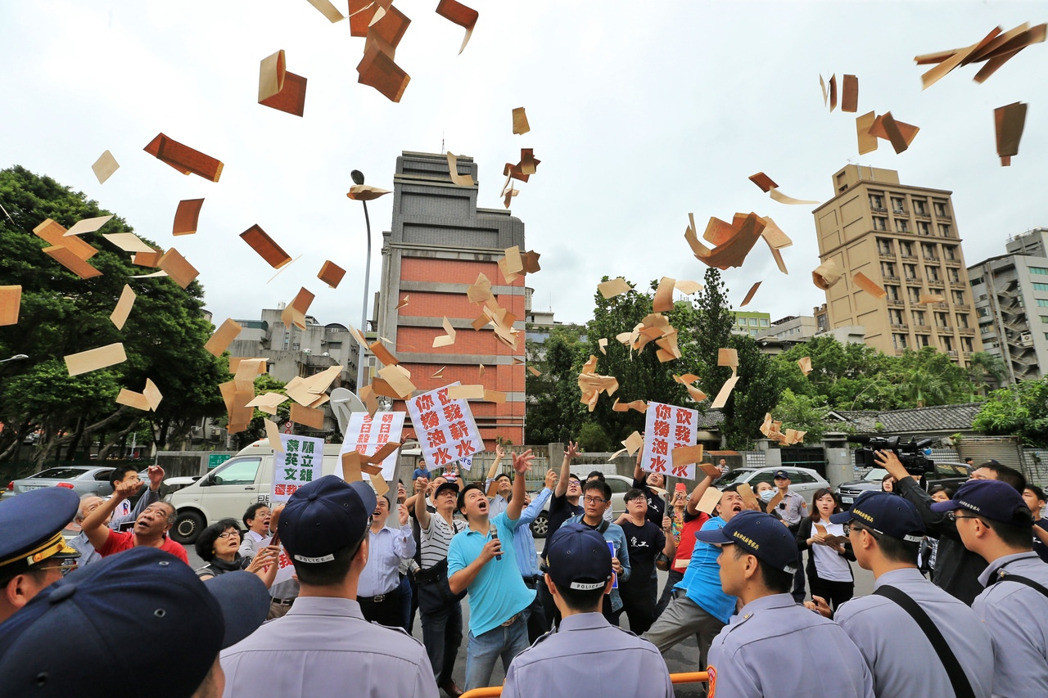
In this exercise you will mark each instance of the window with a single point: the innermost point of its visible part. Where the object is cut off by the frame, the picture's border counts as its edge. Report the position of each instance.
(944, 230)
(877, 202)
(909, 271)
(884, 246)
(924, 228)
(949, 252)
(920, 207)
(1040, 271)
(618, 486)
(940, 209)
(899, 341)
(902, 225)
(918, 317)
(958, 297)
(887, 269)
(923, 340)
(880, 223)
(753, 322)
(764, 323)
(236, 472)
(928, 251)
(940, 320)
(962, 320)
(931, 273)
(1040, 287)
(915, 294)
(983, 312)
(947, 342)
(906, 248)
(896, 316)
(898, 204)
(799, 476)
(1044, 319)
(966, 342)
(955, 276)
(892, 291)
(1042, 303)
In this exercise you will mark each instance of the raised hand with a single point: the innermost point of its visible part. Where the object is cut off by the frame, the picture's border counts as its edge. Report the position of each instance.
(551, 479)
(522, 462)
(572, 450)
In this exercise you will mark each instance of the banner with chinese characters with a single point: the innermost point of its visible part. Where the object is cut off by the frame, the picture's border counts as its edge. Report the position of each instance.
(301, 462)
(444, 427)
(667, 427)
(368, 434)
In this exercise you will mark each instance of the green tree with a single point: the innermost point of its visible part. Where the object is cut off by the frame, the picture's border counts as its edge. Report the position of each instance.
(803, 413)
(712, 331)
(843, 376)
(1018, 410)
(554, 412)
(62, 314)
(256, 428)
(756, 394)
(928, 377)
(986, 370)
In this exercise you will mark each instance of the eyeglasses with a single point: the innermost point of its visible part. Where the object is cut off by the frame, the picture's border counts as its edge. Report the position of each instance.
(229, 534)
(954, 516)
(852, 526)
(594, 500)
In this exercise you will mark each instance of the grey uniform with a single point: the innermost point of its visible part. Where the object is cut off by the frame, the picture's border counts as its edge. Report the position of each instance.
(589, 656)
(775, 647)
(791, 509)
(324, 647)
(899, 654)
(1017, 617)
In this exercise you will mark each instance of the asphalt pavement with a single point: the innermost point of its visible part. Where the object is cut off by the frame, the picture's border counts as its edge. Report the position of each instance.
(684, 657)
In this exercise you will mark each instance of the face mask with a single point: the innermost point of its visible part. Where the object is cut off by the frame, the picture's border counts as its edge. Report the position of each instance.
(766, 495)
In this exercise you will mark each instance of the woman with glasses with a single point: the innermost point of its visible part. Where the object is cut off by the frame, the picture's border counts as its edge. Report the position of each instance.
(219, 545)
(828, 569)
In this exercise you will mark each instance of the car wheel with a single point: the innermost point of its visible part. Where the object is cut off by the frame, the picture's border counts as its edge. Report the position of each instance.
(187, 527)
(540, 526)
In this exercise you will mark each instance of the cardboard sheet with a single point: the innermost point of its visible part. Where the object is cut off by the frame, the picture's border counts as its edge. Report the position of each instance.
(377, 69)
(461, 15)
(105, 166)
(388, 27)
(663, 300)
(331, 273)
(328, 10)
(398, 379)
(466, 392)
(520, 121)
(447, 339)
(307, 415)
(186, 216)
(496, 396)
(177, 267)
(147, 259)
(602, 344)
(184, 159)
(728, 357)
(709, 500)
(273, 434)
(128, 242)
(54, 233)
(725, 392)
(94, 359)
(749, 294)
(223, 337)
(132, 399)
(805, 364)
(123, 307)
(461, 180)
(850, 94)
(10, 303)
(996, 48)
(610, 289)
(863, 124)
(744, 491)
(633, 442)
(833, 92)
(265, 246)
(826, 274)
(365, 192)
(686, 455)
(783, 199)
(929, 298)
(88, 225)
(898, 133)
(71, 261)
(763, 181)
(1008, 127)
(866, 284)
(744, 233)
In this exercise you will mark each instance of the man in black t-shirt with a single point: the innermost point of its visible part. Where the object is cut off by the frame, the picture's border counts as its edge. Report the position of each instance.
(647, 542)
(562, 506)
(654, 487)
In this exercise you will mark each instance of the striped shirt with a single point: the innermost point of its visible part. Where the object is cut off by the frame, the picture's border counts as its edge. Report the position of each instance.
(437, 538)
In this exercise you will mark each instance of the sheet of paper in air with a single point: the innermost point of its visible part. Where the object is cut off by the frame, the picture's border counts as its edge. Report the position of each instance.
(186, 216)
(105, 166)
(295, 311)
(382, 354)
(307, 415)
(866, 284)
(763, 181)
(398, 379)
(722, 396)
(177, 267)
(850, 94)
(10, 302)
(466, 392)
(783, 199)
(768, 185)
(461, 15)
(898, 133)
(94, 359)
(447, 339)
(863, 124)
(805, 364)
(1008, 125)
(439, 373)
(184, 159)
(614, 287)
(749, 294)
(734, 241)
(223, 337)
(709, 500)
(825, 96)
(88, 225)
(714, 472)
(633, 442)
(147, 259)
(833, 92)
(273, 434)
(71, 261)
(687, 380)
(534, 371)
(331, 273)
(279, 89)
(826, 274)
(328, 10)
(265, 246)
(602, 344)
(268, 402)
(154, 275)
(744, 490)
(520, 121)
(687, 455)
(123, 307)
(54, 233)
(365, 192)
(128, 242)
(460, 180)
(995, 49)
(132, 399)
(929, 298)
(728, 357)
(377, 69)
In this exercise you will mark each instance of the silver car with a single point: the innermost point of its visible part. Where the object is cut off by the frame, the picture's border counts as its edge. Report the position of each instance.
(82, 479)
(803, 481)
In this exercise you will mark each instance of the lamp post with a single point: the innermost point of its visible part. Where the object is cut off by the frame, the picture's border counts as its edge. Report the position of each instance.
(358, 179)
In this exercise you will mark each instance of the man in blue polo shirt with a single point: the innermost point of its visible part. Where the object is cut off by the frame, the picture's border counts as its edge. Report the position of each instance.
(482, 560)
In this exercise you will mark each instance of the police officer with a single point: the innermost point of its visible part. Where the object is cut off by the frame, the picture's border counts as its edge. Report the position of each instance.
(585, 654)
(994, 522)
(323, 646)
(775, 647)
(33, 553)
(885, 532)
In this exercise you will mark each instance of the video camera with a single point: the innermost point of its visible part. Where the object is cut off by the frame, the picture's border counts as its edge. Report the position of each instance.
(911, 454)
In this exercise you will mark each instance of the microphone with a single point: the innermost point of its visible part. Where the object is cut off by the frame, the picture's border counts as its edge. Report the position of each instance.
(495, 536)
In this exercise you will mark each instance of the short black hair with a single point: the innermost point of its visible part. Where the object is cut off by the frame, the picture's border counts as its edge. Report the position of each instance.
(323, 574)
(581, 601)
(1037, 491)
(604, 487)
(634, 493)
(596, 474)
(467, 488)
(897, 549)
(205, 544)
(252, 510)
(120, 472)
(500, 476)
(777, 581)
(1006, 474)
(1016, 534)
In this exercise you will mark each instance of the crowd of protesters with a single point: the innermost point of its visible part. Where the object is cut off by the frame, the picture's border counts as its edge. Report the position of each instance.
(960, 601)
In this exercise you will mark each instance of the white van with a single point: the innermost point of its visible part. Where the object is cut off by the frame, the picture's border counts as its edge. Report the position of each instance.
(228, 490)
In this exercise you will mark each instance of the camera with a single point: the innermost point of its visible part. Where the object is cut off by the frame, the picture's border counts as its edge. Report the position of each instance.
(910, 454)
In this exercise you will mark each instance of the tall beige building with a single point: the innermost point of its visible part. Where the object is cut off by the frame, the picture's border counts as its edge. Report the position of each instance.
(905, 239)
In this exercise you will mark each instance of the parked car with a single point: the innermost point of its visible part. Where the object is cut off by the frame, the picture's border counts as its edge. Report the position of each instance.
(803, 481)
(619, 486)
(82, 479)
(949, 474)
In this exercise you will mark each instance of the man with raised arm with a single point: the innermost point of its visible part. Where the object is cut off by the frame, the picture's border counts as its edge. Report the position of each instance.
(150, 528)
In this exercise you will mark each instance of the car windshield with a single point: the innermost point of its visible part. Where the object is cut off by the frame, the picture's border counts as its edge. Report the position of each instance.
(60, 473)
(875, 475)
(735, 476)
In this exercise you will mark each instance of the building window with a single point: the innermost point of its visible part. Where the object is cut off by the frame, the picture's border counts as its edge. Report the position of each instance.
(929, 251)
(1040, 271)
(892, 291)
(898, 204)
(931, 273)
(949, 252)
(896, 316)
(877, 202)
(887, 269)
(944, 230)
(967, 343)
(923, 340)
(902, 225)
(1044, 319)
(880, 223)
(940, 209)
(955, 275)
(958, 297)
(982, 312)
(764, 323)
(899, 341)
(962, 320)
(1042, 303)
(940, 320)
(906, 248)
(920, 207)
(918, 317)
(909, 271)
(1040, 287)
(924, 228)
(915, 294)
(947, 342)
(884, 246)
(753, 322)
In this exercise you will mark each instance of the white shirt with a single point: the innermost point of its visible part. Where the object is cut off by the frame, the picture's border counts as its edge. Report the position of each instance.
(829, 564)
(385, 550)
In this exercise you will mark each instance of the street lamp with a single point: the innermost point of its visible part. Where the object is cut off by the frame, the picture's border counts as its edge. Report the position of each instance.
(16, 357)
(358, 179)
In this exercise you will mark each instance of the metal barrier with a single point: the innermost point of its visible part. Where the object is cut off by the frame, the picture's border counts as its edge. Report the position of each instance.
(495, 691)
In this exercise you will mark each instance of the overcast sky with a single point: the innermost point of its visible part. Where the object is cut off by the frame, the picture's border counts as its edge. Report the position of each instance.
(640, 113)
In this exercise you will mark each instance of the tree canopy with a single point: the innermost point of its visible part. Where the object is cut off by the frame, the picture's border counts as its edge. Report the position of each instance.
(1020, 410)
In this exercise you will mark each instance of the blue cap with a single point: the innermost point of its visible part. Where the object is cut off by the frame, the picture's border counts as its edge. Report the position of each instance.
(141, 607)
(325, 516)
(781, 473)
(886, 513)
(31, 528)
(990, 499)
(578, 558)
(760, 534)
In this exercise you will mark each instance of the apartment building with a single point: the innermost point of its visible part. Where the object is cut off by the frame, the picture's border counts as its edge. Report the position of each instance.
(750, 322)
(905, 239)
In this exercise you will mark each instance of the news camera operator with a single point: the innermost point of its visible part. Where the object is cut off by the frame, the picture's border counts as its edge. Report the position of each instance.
(957, 569)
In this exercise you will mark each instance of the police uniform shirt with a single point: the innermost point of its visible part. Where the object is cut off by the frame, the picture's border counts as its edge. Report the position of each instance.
(1017, 617)
(324, 647)
(776, 648)
(899, 654)
(588, 656)
(792, 508)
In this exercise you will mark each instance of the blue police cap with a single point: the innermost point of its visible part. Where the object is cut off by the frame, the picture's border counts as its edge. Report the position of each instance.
(781, 474)
(142, 607)
(886, 513)
(578, 558)
(760, 534)
(325, 516)
(31, 528)
(990, 499)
